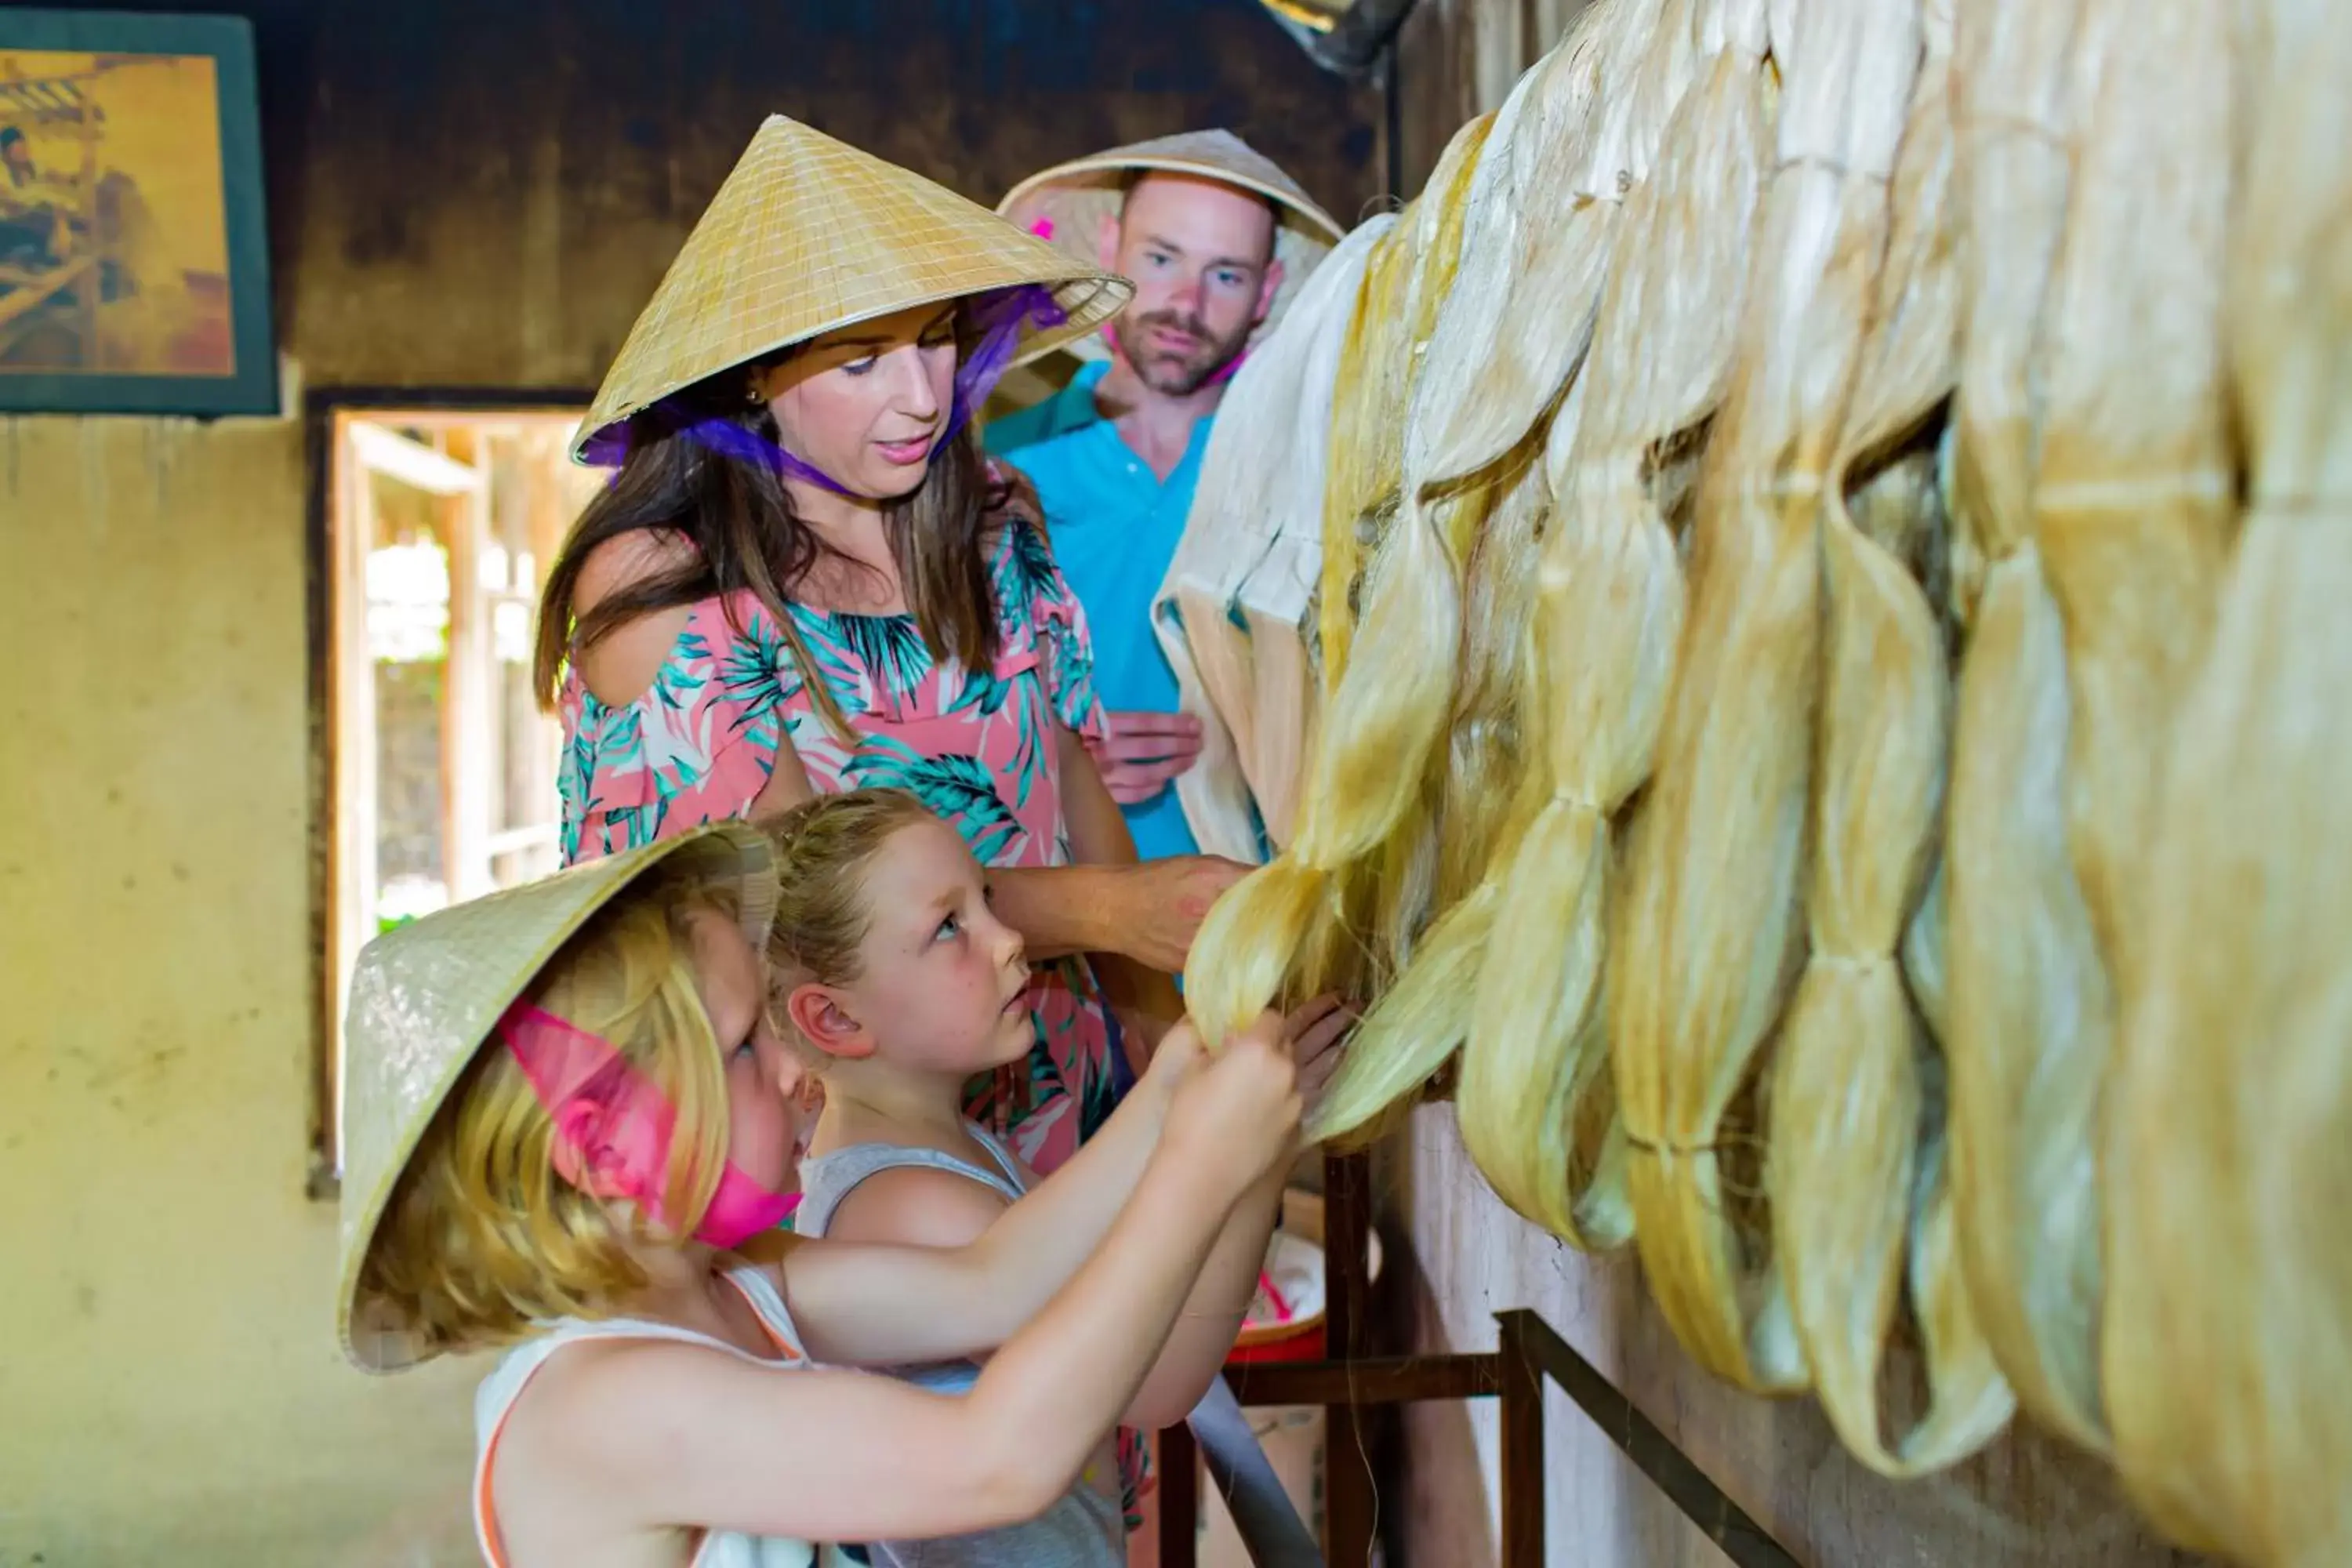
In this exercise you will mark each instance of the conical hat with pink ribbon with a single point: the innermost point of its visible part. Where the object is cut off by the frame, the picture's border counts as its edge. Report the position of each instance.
(428, 997)
(1065, 206)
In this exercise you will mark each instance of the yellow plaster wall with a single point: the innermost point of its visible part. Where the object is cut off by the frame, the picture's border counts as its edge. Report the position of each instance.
(170, 1390)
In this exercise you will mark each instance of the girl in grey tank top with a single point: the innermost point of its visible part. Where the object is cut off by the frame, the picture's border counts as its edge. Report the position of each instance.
(889, 965)
(1087, 1528)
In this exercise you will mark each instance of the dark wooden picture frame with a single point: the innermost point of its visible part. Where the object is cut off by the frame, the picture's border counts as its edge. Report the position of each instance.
(134, 259)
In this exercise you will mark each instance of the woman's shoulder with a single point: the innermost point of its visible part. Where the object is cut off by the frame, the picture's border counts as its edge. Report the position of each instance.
(623, 664)
(1020, 495)
(1018, 549)
(615, 565)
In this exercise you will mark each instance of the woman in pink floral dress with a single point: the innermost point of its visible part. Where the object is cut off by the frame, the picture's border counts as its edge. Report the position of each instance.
(804, 578)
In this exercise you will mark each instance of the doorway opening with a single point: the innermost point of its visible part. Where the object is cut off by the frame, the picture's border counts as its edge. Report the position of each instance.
(440, 768)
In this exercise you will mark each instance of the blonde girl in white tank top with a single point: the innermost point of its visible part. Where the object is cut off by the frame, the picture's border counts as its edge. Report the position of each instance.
(568, 1118)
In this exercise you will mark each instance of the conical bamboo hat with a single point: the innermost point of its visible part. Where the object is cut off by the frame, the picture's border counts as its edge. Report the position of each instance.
(1067, 202)
(809, 235)
(424, 1000)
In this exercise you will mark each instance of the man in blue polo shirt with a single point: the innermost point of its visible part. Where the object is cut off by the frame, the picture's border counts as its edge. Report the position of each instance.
(1217, 239)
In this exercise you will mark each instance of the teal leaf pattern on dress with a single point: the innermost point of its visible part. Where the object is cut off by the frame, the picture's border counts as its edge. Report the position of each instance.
(758, 672)
(980, 691)
(958, 789)
(1028, 573)
(890, 650)
(848, 682)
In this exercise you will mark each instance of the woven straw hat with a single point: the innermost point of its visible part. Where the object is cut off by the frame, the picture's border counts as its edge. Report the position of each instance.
(425, 999)
(1076, 196)
(809, 235)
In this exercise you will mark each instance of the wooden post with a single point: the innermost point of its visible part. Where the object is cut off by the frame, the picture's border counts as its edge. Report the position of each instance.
(1180, 1497)
(1522, 1447)
(1351, 1503)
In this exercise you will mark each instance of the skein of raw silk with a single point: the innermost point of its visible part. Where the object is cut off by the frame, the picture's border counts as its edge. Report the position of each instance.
(1513, 347)
(2135, 504)
(1708, 929)
(1557, 90)
(1845, 1166)
(1491, 737)
(1652, 50)
(1860, 1205)
(1378, 727)
(2229, 1369)
(1535, 1098)
(1377, 897)
(1262, 472)
(1415, 1021)
(1482, 247)
(1363, 432)
(1391, 894)
(1275, 597)
(2030, 1012)
(1404, 281)
(1363, 447)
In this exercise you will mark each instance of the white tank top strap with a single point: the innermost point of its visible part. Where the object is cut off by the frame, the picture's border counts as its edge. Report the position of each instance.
(758, 1287)
(495, 1399)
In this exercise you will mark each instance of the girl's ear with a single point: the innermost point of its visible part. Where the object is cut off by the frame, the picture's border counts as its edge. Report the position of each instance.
(821, 1015)
(584, 1155)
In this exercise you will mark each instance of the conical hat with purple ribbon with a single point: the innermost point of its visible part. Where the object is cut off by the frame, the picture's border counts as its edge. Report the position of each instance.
(810, 234)
(1066, 204)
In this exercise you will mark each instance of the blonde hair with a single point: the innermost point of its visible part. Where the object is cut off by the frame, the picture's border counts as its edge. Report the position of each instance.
(823, 848)
(482, 1238)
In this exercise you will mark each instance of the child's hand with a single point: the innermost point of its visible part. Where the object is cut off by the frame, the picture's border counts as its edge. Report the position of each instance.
(1237, 1113)
(1174, 1057)
(1316, 1034)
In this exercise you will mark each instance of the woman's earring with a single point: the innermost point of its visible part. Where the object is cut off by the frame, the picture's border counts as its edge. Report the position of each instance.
(752, 397)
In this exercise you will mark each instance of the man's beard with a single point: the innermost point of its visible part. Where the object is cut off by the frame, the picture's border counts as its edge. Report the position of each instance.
(1177, 374)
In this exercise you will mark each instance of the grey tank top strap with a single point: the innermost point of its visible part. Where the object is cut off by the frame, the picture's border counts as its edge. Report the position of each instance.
(827, 1179)
(1083, 1528)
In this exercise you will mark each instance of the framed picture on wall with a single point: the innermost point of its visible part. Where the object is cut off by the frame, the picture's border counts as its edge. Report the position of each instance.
(134, 266)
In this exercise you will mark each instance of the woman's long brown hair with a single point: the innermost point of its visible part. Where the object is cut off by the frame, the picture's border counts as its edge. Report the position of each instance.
(741, 522)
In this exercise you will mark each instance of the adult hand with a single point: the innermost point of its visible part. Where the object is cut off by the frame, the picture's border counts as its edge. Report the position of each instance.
(1316, 1034)
(1167, 901)
(1146, 749)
